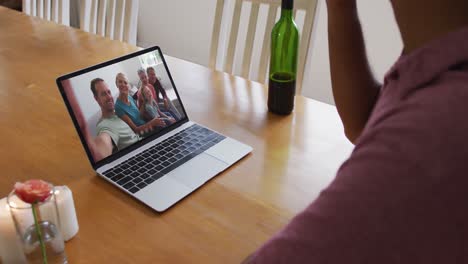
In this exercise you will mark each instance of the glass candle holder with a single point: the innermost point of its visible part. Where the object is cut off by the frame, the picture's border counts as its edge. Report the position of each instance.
(42, 240)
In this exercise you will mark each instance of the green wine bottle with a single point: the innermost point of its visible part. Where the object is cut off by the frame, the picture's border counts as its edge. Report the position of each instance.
(283, 62)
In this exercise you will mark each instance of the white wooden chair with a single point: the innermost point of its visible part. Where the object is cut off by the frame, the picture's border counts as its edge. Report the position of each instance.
(115, 19)
(52, 10)
(308, 6)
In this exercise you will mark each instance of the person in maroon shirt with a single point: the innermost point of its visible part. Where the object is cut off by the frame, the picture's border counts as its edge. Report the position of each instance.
(402, 196)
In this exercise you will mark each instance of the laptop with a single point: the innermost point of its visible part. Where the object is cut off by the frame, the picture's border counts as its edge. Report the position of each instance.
(144, 143)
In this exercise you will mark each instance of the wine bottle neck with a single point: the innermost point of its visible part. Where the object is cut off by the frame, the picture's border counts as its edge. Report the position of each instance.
(287, 9)
(287, 4)
(286, 13)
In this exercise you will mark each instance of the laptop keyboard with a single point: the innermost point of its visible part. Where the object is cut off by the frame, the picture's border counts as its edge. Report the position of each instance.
(141, 170)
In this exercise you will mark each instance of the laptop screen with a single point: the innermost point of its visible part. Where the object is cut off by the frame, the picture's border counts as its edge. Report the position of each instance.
(119, 105)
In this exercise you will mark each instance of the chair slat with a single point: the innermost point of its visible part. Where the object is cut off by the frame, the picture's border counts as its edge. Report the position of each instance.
(59, 12)
(55, 11)
(233, 37)
(130, 22)
(64, 12)
(52, 10)
(119, 17)
(247, 59)
(101, 18)
(304, 44)
(216, 33)
(40, 9)
(26, 7)
(266, 43)
(85, 14)
(110, 19)
(33, 7)
(47, 9)
(93, 16)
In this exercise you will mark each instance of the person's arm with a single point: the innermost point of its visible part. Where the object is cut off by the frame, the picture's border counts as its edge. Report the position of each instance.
(152, 122)
(102, 146)
(166, 103)
(163, 93)
(157, 122)
(354, 88)
(144, 114)
(172, 120)
(140, 103)
(137, 129)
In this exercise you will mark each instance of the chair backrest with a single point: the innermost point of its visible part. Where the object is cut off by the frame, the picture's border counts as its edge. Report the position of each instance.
(307, 6)
(115, 19)
(52, 10)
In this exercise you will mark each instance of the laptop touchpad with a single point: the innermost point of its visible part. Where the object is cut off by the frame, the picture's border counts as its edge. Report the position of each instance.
(198, 170)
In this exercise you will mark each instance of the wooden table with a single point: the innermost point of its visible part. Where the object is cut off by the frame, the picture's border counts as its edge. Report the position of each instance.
(294, 157)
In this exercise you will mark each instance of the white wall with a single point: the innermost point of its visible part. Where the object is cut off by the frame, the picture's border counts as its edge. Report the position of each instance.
(182, 28)
(130, 69)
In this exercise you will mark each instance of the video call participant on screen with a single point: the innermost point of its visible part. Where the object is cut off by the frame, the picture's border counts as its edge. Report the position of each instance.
(127, 110)
(113, 133)
(145, 84)
(151, 109)
(167, 104)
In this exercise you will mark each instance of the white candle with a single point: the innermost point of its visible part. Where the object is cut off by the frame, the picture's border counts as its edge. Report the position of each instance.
(11, 250)
(66, 211)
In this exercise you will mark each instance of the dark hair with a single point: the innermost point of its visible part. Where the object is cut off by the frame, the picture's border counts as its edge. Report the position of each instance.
(150, 68)
(93, 85)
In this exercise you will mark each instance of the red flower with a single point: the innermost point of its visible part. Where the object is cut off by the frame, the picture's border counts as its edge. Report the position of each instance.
(33, 191)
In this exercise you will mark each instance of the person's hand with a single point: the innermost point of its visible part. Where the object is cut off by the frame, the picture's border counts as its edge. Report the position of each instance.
(146, 129)
(158, 122)
(172, 120)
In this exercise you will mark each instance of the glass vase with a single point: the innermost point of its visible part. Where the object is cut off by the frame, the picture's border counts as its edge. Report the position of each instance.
(38, 227)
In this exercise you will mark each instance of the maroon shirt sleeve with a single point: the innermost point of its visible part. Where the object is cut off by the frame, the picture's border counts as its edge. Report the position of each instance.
(402, 196)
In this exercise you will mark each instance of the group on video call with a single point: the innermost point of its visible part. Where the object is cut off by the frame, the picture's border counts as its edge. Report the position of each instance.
(133, 115)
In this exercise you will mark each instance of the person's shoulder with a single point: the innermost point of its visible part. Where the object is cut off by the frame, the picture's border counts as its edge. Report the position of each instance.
(107, 121)
(448, 91)
(102, 122)
(417, 119)
(120, 109)
(454, 78)
(108, 126)
(131, 99)
(118, 103)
